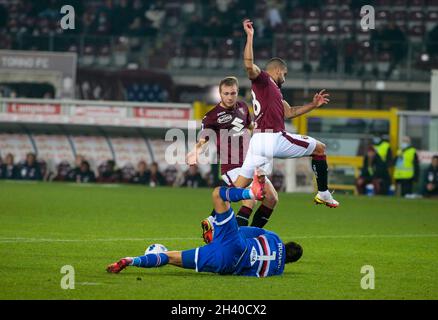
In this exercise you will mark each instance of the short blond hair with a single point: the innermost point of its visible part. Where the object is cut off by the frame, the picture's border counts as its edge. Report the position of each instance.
(228, 81)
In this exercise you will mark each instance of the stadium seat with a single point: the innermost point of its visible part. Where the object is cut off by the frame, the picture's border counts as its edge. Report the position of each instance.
(345, 31)
(313, 31)
(346, 15)
(212, 60)
(329, 15)
(399, 16)
(195, 58)
(362, 35)
(296, 14)
(295, 59)
(417, 4)
(330, 30)
(104, 57)
(331, 4)
(312, 17)
(416, 32)
(296, 30)
(382, 17)
(431, 20)
(383, 62)
(383, 3)
(416, 16)
(88, 57)
(399, 4)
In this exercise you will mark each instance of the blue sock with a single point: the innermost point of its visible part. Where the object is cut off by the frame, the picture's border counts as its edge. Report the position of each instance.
(151, 260)
(235, 194)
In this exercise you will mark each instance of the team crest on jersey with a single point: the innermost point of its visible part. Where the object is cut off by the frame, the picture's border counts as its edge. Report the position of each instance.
(304, 137)
(225, 118)
(254, 257)
(242, 111)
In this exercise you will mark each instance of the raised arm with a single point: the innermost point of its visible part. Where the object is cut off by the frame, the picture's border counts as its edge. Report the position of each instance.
(248, 55)
(319, 99)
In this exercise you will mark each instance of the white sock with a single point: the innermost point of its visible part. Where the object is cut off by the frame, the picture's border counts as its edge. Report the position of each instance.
(325, 194)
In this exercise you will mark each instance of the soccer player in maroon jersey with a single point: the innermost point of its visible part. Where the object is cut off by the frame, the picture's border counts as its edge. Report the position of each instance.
(270, 140)
(231, 124)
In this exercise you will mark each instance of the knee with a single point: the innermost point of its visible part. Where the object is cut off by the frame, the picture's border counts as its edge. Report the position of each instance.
(271, 197)
(320, 149)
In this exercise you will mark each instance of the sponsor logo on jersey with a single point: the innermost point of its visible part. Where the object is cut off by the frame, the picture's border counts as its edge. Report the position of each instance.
(220, 113)
(225, 118)
(280, 254)
(238, 124)
(253, 256)
(304, 137)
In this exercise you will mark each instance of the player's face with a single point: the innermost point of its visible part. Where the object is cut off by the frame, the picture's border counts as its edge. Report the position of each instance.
(229, 95)
(281, 75)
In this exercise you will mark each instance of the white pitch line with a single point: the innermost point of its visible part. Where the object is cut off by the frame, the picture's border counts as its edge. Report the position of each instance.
(356, 236)
(4, 240)
(352, 236)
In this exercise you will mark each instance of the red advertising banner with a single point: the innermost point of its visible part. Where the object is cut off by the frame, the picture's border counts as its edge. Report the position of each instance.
(99, 111)
(162, 113)
(33, 108)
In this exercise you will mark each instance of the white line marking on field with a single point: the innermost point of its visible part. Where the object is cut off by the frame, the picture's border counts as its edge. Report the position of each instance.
(355, 236)
(89, 283)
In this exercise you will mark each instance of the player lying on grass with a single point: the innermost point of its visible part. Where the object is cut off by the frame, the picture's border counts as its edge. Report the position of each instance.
(247, 251)
(231, 124)
(270, 139)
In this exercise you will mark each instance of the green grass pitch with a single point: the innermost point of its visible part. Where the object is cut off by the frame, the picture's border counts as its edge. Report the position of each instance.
(44, 226)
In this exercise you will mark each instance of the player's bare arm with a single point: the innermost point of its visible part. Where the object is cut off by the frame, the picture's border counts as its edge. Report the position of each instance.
(248, 55)
(319, 99)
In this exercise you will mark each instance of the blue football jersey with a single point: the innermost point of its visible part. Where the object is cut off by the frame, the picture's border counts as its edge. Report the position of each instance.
(264, 255)
(247, 251)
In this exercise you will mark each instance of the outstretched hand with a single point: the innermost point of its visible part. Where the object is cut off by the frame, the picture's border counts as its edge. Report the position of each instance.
(321, 98)
(247, 26)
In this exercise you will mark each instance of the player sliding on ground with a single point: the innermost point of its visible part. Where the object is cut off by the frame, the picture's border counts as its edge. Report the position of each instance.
(230, 123)
(270, 140)
(247, 251)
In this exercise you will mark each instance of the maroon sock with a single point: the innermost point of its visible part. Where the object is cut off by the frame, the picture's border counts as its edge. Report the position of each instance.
(243, 216)
(261, 217)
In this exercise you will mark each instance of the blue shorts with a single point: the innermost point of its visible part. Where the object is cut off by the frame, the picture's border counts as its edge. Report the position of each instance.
(225, 251)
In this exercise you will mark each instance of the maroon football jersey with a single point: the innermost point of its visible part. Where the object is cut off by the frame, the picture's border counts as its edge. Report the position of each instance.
(232, 136)
(267, 104)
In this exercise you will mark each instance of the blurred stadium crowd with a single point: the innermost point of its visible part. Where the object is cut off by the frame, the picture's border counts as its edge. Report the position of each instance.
(313, 35)
(382, 167)
(36, 169)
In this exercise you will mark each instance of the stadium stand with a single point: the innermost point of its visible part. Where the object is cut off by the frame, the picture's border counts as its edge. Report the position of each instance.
(179, 35)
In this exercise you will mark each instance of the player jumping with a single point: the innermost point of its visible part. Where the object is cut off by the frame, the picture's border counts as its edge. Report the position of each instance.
(270, 140)
(230, 119)
(247, 251)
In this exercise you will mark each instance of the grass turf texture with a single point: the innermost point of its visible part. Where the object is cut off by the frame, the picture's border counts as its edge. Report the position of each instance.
(44, 226)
